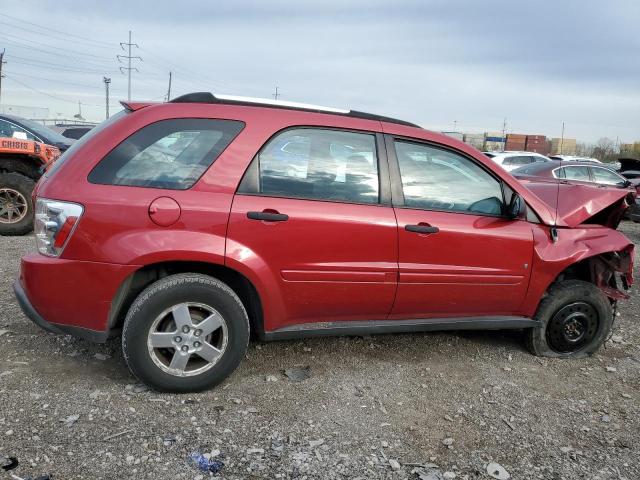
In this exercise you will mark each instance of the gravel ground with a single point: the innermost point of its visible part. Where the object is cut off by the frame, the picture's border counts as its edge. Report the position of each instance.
(427, 406)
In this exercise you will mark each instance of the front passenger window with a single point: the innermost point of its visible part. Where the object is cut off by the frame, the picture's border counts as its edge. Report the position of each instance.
(437, 179)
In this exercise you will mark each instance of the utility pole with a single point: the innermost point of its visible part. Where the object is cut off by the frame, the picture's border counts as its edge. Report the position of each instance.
(455, 125)
(106, 81)
(169, 89)
(504, 133)
(276, 95)
(562, 139)
(128, 68)
(2, 62)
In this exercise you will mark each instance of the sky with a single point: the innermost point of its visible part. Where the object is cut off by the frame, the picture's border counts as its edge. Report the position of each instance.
(443, 64)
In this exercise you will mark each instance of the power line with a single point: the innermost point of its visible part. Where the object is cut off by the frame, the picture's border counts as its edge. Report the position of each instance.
(88, 63)
(47, 30)
(129, 58)
(63, 82)
(54, 66)
(10, 77)
(74, 52)
(2, 62)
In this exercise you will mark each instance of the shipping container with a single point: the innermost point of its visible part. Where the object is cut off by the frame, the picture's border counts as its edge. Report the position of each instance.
(566, 146)
(476, 140)
(516, 137)
(456, 135)
(537, 144)
(491, 146)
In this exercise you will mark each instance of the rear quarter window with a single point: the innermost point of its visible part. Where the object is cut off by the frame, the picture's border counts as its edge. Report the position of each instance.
(170, 154)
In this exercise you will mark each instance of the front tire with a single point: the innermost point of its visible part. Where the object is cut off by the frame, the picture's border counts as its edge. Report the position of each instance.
(185, 333)
(16, 206)
(576, 319)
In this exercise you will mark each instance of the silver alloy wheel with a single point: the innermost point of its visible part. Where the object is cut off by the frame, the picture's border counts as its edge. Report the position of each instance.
(13, 206)
(187, 339)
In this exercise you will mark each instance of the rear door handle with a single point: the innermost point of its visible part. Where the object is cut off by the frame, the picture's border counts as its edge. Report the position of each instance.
(268, 216)
(421, 228)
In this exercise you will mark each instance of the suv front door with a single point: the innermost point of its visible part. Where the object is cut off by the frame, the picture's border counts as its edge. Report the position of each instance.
(458, 255)
(317, 227)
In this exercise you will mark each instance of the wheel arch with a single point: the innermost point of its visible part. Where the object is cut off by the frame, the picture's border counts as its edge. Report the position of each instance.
(22, 164)
(148, 274)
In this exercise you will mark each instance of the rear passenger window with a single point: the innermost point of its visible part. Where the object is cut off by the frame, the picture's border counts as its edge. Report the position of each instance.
(171, 154)
(319, 164)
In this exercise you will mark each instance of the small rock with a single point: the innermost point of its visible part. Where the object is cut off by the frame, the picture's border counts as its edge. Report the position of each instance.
(130, 459)
(316, 443)
(495, 470)
(70, 420)
(3, 331)
(421, 474)
(625, 395)
(270, 378)
(8, 433)
(449, 475)
(617, 339)
(506, 369)
(394, 464)
(140, 387)
(447, 441)
(101, 356)
(611, 369)
(255, 451)
(566, 449)
(606, 418)
(298, 374)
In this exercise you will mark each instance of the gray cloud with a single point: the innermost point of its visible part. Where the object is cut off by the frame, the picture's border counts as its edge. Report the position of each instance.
(432, 62)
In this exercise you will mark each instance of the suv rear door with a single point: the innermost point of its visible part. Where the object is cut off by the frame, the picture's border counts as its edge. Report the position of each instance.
(458, 256)
(312, 217)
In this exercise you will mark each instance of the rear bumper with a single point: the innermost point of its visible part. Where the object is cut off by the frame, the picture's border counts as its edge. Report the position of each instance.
(69, 296)
(35, 317)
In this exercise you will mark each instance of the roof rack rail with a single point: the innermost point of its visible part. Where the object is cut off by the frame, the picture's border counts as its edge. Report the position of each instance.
(208, 97)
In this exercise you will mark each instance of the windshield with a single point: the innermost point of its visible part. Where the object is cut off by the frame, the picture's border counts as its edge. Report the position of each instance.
(48, 135)
(84, 139)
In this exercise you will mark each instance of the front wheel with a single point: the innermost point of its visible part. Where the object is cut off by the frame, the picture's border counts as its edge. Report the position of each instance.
(185, 333)
(576, 318)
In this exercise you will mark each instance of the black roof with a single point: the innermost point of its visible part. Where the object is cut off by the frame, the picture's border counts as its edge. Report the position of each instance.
(208, 97)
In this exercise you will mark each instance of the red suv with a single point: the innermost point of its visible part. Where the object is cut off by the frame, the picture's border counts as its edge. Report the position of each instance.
(190, 224)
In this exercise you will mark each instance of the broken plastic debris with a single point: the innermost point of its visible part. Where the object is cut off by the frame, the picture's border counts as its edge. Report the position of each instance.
(9, 463)
(496, 470)
(298, 374)
(205, 464)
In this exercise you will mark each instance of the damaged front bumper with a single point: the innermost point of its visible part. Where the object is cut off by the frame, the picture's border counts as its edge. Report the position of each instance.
(606, 267)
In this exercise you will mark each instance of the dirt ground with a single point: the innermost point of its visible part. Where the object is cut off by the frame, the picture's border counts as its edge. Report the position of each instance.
(427, 406)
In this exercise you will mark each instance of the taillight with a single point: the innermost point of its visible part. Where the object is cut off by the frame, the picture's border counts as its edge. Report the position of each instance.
(54, 224)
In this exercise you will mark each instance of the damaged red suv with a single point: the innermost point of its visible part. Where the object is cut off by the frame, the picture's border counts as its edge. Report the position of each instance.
(188, 225)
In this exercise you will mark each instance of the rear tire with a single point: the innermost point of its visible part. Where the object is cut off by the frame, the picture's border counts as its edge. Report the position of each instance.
(576, 319)
(16, 206)
(185, 333)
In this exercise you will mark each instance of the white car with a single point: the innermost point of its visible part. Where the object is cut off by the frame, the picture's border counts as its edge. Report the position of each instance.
(512, 160)
(573, 158)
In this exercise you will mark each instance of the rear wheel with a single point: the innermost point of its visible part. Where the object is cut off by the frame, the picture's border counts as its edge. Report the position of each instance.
(185, 333)
(576, 318)
(16, 206)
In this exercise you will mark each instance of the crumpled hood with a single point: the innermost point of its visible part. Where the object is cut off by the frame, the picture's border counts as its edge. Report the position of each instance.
(578, 204)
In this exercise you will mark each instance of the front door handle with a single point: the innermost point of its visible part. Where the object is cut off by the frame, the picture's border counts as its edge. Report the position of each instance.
(421, 228)
(268, 216)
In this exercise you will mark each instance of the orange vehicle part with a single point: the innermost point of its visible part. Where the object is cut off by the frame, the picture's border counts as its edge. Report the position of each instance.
(43, 152)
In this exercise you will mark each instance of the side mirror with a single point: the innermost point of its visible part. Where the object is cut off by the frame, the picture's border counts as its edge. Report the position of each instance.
(516, 207)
